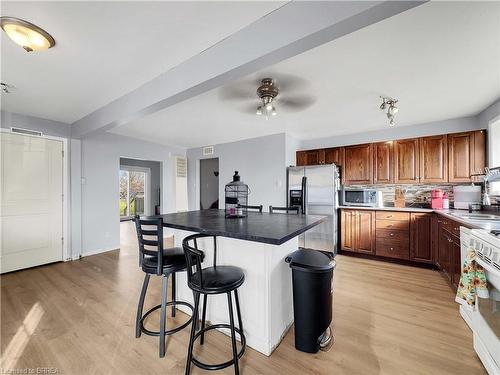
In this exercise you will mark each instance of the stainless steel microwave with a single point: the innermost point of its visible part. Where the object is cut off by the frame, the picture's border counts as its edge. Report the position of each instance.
(359, 197)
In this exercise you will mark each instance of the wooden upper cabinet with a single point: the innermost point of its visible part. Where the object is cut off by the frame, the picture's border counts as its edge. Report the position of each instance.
(300, 158)
(479, 155)
(421, 249)
(309, 157)
(334, 156)
(406, 161)
(434, 159)
(358, 166)
(460, 154)
(383, 163)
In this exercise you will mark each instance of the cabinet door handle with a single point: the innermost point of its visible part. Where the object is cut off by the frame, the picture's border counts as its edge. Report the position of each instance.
(390, 226)
(392, 249)
(389, 215)
(392, 234)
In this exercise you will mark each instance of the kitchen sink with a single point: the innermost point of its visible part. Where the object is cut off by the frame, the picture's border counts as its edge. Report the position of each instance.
(482, 217)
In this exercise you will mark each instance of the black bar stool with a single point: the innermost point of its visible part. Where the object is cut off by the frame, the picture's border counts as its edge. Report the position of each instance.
(212, 280)
(172, 260)
(287, 210)
(252, 208)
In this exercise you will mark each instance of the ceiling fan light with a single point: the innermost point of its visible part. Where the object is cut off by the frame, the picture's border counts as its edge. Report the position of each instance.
(27, 35)
(269, 107)
(259, 111)
(393, 110)
(273, 112)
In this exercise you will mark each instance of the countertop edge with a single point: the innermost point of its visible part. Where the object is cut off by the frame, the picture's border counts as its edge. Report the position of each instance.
(445, 213)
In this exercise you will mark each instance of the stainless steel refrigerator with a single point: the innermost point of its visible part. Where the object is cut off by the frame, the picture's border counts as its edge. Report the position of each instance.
(315, 190)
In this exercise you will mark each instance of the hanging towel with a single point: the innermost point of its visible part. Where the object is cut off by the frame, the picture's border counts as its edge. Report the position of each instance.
(472, 282)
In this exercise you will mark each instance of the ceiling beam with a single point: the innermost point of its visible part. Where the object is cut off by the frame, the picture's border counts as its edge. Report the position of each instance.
(290, 30)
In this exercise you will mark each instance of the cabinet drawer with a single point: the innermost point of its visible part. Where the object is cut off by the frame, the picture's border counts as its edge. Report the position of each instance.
(392, 250)
(393, 235)
(392, 225)
(393, 215)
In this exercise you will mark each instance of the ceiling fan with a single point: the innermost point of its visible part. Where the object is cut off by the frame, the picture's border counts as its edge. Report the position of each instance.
(271, 93)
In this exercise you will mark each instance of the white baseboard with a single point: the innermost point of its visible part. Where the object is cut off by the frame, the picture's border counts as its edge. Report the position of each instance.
(98, 251)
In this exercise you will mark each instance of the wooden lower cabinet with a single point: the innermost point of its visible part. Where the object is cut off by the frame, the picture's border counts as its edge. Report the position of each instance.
(417, 237)
(366, 231)
(392, 235)
(420, 238)
(357, 232)
(347, 230)
(456, 262)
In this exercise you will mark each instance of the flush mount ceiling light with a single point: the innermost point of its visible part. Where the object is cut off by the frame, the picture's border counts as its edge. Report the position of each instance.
(27, 35)
(389, 107)
(267, 92)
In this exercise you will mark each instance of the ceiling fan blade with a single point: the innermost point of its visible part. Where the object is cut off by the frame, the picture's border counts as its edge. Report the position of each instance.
(288, 82)
(237, 92)
(296, 103)
(249, 109)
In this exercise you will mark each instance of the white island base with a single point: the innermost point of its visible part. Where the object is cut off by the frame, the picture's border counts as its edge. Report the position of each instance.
(266, 295)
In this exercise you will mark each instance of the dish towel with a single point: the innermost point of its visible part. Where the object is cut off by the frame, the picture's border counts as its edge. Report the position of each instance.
(472, 282)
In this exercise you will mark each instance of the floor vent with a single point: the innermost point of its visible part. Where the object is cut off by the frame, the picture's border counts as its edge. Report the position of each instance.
(26, 131)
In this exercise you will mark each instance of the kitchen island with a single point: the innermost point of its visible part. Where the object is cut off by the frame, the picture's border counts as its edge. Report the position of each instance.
(258, 244)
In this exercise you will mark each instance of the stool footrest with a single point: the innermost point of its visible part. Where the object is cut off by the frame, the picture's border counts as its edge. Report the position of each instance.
(170, 331)
(219, 366)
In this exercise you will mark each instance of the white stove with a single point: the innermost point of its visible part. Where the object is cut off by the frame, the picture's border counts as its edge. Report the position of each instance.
(484, 321)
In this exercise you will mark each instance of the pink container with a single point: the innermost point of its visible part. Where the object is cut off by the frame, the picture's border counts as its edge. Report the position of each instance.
(437, 199)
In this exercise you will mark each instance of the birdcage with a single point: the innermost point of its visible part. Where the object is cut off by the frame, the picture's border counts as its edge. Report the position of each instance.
(236, 198)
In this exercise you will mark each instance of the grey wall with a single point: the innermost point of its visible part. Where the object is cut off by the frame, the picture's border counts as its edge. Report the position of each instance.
(47, 127)
(155, 178)
(209, 182)
(420, 130)
(260, 161)
(100, 191)
(489, 113)
(490, 118)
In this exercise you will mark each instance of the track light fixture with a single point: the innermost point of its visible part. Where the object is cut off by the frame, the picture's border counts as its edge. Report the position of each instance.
(389, 107)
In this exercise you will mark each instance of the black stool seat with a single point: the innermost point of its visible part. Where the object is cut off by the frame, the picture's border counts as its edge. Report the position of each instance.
(173, 260)
(220, 279)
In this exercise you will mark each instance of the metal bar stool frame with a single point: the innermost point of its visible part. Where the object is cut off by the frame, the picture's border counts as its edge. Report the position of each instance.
(194, 258)
(164, 270)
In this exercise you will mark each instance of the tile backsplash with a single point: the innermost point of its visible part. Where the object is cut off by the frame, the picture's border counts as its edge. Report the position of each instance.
(415, 193)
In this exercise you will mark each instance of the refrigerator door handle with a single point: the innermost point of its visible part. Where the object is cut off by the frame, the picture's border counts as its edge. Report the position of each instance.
(304, 194)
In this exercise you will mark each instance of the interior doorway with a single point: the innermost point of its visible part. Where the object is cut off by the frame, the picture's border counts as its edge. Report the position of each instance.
(31, 200)
(209, 183)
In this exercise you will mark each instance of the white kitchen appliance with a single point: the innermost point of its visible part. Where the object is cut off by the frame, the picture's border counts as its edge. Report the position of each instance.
(465, 195)
(484, 321)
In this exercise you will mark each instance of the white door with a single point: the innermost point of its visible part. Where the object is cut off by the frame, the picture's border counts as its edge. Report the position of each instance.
(31, 201)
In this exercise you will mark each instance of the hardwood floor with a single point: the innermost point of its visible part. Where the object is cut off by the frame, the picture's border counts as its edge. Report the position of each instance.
(79, 316)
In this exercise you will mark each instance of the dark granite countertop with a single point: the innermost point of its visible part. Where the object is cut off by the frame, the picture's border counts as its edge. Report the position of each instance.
(273, 229)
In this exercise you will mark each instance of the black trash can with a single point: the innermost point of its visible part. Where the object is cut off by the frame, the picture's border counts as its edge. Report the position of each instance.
(312, 274)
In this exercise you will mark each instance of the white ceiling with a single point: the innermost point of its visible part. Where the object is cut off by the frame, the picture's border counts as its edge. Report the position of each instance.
(106, 49)
(441, 60)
